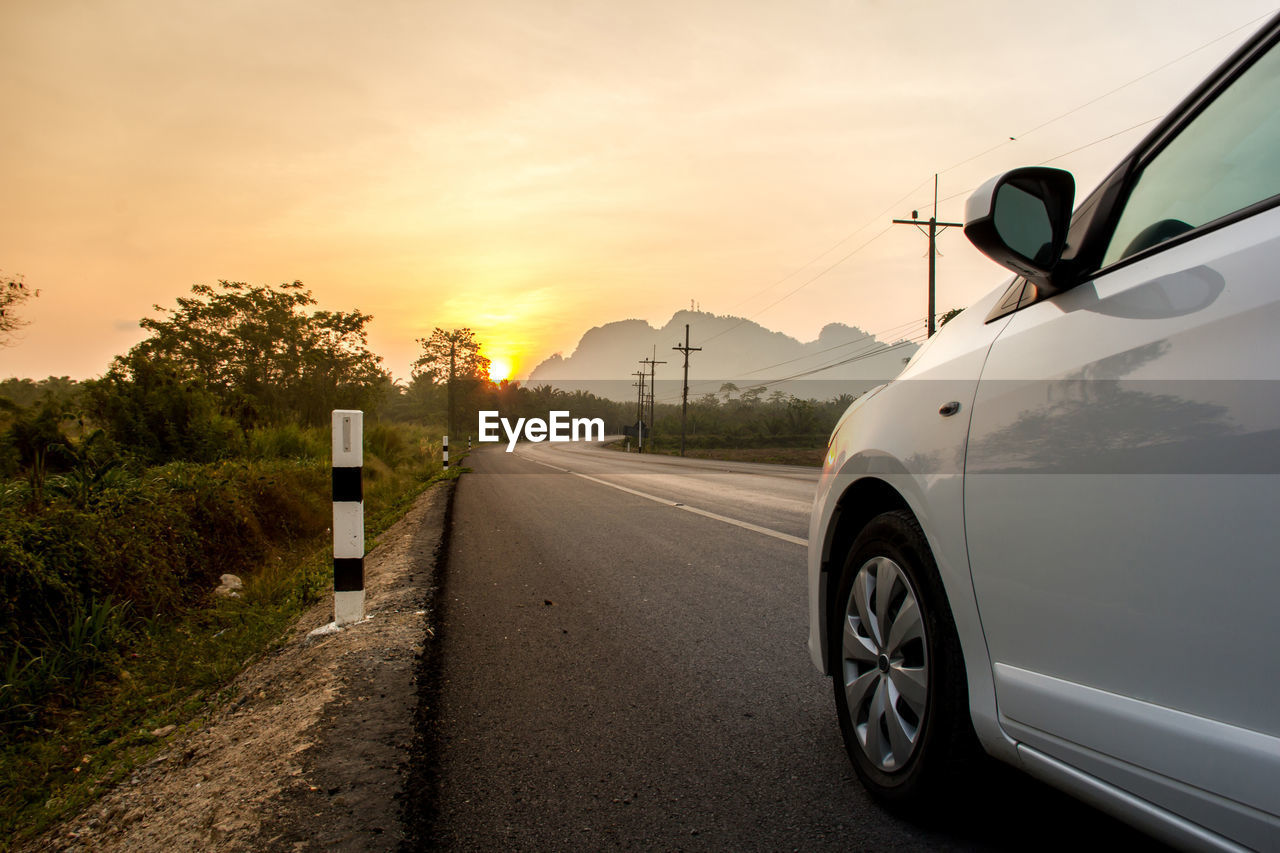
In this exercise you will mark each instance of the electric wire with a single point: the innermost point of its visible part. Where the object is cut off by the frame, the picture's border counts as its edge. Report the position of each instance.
(872, 337)
(1103, 139)
(881, 350)
(1022, 135)
(845, 239)
(862, 340)
(908, 195)
(791, 293)
(1108, 94)
(743, 321)
(1075, 150)
(869, 340)
(760, 386)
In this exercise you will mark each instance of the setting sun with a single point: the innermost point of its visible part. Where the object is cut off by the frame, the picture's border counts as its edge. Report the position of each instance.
(499, 369)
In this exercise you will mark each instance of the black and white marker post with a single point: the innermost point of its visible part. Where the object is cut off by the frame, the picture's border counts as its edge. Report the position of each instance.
(348, 517)
(445, 445)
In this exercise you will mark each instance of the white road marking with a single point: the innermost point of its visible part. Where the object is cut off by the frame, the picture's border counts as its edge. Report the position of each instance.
(746, 525)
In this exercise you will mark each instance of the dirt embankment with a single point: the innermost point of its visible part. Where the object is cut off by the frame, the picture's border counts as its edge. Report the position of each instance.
(313, 749)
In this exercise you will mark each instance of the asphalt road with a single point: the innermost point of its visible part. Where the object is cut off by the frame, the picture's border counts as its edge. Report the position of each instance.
(623, 666)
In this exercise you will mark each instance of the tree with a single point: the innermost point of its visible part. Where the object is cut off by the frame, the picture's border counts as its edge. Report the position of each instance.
(452, 359)
(24, 393)
(33, 434)
(160, 414)
(13, 292)
(948, 317)
(450, 356)
(262, 354)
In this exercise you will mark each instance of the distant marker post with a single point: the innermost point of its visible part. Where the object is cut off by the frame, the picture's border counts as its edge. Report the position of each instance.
(348, 516)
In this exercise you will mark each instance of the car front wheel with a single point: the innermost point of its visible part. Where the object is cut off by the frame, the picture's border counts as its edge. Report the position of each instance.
(899, 675)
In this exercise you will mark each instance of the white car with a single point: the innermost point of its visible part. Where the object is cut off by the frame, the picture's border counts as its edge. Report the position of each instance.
(1056, 535)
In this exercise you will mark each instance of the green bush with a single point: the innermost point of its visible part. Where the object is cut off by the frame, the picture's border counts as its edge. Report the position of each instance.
(159, 415)
(157, 546)
(290, 441)
(387, 443)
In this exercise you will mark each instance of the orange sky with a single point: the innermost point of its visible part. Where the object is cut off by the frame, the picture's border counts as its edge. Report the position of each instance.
(534, 168)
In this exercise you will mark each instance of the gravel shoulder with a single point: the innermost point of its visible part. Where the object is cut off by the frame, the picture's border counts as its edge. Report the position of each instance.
(313, 748)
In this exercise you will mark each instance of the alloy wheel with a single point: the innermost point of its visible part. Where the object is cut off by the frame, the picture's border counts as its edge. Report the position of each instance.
(886, 666)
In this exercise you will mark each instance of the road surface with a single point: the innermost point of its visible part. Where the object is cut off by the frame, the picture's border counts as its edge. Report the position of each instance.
(624, 667)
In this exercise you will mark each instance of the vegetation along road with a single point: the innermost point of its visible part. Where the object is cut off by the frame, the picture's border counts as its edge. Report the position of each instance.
(617, 672)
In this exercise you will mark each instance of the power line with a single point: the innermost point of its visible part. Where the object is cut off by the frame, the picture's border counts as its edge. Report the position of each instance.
(951, 197)
(870, 346)
(862, 340)
(907, 196)
(808, 282)
(801, 375)
(1103, 139)
(1108, 94)
(870, 338)
(833, 247)
(743, 321)
(1043, 125)
(1097, 141)
(848, 359)
(1095, 100)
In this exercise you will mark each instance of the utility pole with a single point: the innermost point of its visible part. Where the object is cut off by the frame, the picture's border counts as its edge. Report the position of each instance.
(653, 363)
(935, 228)
(684, 395)
(639, 383)
(453, 353)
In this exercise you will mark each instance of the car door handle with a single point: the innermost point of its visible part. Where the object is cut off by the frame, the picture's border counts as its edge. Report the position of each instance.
(949, 409)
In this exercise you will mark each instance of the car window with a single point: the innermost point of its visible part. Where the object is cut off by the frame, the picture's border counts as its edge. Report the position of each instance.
(1226, 159)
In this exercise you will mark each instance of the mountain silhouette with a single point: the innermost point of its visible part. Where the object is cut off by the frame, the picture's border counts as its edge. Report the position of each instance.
(735, 350)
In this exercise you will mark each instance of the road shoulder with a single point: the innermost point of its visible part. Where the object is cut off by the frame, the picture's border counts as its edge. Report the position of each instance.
(311, 750)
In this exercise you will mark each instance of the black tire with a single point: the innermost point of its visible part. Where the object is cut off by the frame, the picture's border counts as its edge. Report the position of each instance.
(906, 749)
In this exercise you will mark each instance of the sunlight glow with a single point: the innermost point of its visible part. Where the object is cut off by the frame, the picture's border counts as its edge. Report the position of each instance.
(499, 369)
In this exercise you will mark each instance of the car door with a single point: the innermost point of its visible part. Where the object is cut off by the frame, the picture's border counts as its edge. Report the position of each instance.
(1122, 479)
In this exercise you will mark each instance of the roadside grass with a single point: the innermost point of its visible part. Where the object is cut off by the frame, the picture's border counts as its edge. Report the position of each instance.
(98, 700)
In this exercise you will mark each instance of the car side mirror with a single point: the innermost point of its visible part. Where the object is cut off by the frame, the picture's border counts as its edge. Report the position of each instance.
(1020, 221)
